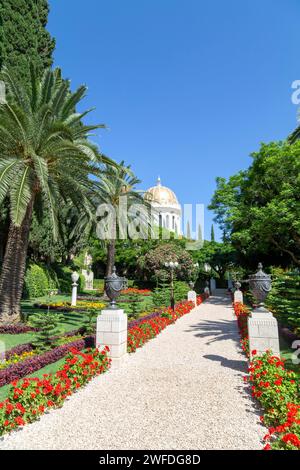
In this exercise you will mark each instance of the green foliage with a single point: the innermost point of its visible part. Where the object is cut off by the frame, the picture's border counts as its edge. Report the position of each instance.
(134, 305)
(151, 265)
(181, 290)
(260, 208)
(212, 234)
(221, 257)
(49, 327)
(284, 299)
(36, 282)
(88, 321)
(161, 294)
(23, 36)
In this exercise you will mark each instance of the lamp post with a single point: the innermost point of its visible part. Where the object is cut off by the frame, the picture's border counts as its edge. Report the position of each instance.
(172, 266)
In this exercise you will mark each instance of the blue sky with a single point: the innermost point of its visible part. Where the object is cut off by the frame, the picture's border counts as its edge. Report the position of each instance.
(187, 88)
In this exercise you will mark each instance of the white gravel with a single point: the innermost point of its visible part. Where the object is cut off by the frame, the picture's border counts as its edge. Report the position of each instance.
(183, 390)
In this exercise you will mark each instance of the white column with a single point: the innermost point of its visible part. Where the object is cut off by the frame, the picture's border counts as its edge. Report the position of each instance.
(238, 297)
(212, 285)
(74, 294)
(112, 330)
(74, 277)
(192, 297)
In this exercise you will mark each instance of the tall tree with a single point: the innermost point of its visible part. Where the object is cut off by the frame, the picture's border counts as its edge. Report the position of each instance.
(212, 233)
(117, 191)
(45, 161)
(260, 208)
(23, 36)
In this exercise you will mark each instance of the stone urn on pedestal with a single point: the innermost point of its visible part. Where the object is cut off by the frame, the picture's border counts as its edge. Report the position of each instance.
(112, 322)
(262, 326)
(75, 279)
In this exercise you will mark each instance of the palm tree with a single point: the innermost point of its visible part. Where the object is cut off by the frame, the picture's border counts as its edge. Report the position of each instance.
(119, 182)
(45, 161)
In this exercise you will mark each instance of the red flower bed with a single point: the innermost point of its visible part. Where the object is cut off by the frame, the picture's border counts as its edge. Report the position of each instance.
(278, 391)
(149, 328)
(133, 290)
(30, 398)
(33, 364)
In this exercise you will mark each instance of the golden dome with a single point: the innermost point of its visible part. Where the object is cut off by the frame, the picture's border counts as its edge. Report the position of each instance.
(161, 195)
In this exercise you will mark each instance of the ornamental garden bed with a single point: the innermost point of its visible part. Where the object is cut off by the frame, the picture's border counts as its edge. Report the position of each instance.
(276, 388)
(29, 398)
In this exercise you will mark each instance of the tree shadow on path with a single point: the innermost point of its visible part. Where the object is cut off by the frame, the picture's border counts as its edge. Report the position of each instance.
(240, 366)
(215, 330)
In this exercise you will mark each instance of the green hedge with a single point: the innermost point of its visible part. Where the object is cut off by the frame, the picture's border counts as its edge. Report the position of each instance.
(284, 299)
(36, 282)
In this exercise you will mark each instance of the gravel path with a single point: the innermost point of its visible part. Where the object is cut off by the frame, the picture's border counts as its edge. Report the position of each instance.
(183, 390)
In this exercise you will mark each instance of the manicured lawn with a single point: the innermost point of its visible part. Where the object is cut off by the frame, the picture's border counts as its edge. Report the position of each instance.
(10, 341)
(72, 320)
(50, 369)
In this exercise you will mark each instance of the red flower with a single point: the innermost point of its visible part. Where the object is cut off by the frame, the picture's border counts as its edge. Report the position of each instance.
(19, 421)
(291, 439)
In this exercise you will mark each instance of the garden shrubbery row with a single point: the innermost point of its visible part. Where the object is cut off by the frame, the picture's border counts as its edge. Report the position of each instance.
(276, 388)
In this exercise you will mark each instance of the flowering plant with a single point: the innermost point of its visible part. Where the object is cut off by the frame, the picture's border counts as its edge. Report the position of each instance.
(31, 397)
(144, 330)
(276, 388)
(133, 290)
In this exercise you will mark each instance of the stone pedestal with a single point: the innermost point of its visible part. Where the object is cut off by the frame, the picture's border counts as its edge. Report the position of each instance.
(212, 286)
(192, 297)
(263, 332)
(112, 332)
(74, 294)
(238, 297)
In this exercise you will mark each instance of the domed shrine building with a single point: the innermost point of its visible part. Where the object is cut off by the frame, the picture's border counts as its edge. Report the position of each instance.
(166, 208)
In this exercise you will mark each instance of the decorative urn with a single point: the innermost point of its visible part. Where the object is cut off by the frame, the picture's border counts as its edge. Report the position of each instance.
(113, 287)
(260, 285)
(75, 277)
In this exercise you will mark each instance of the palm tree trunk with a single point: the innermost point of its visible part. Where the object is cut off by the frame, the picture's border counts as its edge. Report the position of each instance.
(111, 252)
(13, 269)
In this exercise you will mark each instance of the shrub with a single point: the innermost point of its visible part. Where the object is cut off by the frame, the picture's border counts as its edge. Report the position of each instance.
(36, 282)
(276, 388)
(284, 299)
(48, 327)
(278, 391)
(152, 266)
(181, 290)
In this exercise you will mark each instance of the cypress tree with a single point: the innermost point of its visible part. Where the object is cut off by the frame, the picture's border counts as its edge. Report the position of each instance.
(212, 236)
(23, 36)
